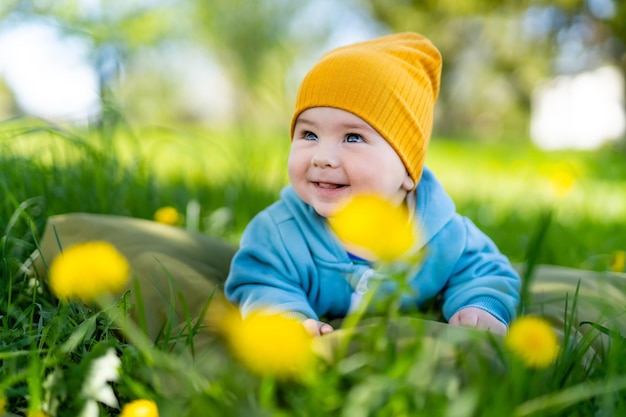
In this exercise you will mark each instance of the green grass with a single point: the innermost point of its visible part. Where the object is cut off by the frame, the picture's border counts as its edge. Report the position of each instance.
(504, 189)
(508, 190)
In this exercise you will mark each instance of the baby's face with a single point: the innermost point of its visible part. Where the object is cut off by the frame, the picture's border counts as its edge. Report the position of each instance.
(335, 154)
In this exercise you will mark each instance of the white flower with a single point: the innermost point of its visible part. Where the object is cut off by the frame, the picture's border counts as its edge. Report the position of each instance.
(96, 388)
(51, 399)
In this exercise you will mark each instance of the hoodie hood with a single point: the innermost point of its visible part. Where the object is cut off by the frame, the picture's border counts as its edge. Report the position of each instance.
(433, 207)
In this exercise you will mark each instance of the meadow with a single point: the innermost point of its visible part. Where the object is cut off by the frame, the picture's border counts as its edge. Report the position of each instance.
(561, 208)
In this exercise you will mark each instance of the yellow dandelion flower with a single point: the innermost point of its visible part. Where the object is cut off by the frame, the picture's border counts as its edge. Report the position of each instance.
(140, 408)
(167, 215)
(270, 344)
(375, 225)
(88, 270)
(619, 261)
(534, 341)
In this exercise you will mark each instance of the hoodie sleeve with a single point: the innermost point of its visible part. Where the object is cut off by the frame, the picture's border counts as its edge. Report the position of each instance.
(264, 274)
(482, 278)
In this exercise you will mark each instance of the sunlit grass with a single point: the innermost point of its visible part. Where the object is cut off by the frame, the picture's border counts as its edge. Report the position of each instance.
(504, 188)
(517, 176)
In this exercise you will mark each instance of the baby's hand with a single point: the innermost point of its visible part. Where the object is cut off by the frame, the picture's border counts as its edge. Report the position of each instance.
(317, 328)
(479, 319)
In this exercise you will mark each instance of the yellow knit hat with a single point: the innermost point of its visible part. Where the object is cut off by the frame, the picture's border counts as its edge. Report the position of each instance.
(391, 82)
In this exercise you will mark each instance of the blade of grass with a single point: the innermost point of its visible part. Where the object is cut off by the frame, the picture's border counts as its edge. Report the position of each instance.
(533, 251)
(569, 397)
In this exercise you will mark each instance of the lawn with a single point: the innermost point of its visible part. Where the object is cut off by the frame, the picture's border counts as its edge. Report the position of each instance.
(561, 208)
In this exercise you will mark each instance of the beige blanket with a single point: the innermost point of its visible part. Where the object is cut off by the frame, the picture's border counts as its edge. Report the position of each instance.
(169, 261)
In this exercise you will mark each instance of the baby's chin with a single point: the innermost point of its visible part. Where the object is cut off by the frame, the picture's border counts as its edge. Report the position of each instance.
(326, 207)
(326, 210)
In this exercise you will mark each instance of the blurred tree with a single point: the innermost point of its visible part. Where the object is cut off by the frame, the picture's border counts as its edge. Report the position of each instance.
(252, 40)
(7, 7)
(495, 51)
(589, 33)
(263, 43)
(116, 29)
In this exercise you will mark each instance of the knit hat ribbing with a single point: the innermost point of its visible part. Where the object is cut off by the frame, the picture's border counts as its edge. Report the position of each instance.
(391, 82)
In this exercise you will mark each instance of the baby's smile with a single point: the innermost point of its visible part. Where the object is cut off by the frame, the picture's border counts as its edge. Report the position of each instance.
(328, 185)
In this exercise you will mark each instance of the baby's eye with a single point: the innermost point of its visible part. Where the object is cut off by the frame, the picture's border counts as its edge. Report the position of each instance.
(310, 136)
(353, 137)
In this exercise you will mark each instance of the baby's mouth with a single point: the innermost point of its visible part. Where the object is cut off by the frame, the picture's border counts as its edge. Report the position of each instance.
(329, 186)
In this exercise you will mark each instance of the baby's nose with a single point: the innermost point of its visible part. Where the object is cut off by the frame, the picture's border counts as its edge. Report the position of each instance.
(325, 157)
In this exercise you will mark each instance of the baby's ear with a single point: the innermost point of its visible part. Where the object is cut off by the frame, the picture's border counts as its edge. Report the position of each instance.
(408, 184)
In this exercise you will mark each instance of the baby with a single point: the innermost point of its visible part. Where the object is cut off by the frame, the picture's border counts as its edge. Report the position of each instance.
(362, 123)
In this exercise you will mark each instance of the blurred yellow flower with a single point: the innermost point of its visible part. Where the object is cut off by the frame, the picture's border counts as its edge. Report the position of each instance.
(534, 341)
(270, 344)
(167, 215)
(3, 405)
(373, 224)
(562, 183)
(619, 261)
(88, 270)
(140, 408)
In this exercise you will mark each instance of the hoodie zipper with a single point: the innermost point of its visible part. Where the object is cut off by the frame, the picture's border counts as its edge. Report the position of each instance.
(361, 286)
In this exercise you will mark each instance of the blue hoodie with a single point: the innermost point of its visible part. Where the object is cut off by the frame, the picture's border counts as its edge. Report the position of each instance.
(290, 261)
